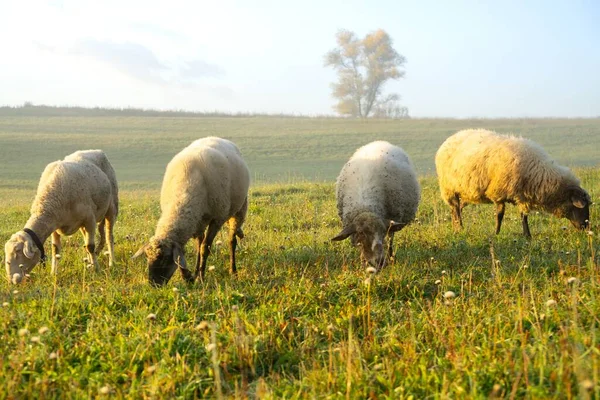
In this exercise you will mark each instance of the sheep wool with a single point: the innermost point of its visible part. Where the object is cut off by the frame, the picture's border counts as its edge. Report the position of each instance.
(479, 166)
(205, 185)
(377, 194)
(76, 193)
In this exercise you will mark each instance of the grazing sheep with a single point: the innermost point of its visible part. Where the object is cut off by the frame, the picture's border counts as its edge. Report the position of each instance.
(377, 194)
(205, 185)
(75, 193)
(479, 166)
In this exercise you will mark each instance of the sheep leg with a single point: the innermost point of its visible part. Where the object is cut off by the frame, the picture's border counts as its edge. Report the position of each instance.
(89, 231)
(213, 229)
(456, 212)
(101, 238)
(391, 246)
(109, 235)
(235, 231)
(500, 207)
(199, 240)
(526, 231)
(56, 248)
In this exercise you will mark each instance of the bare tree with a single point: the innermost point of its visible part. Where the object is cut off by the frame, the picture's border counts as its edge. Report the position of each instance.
(363, 67)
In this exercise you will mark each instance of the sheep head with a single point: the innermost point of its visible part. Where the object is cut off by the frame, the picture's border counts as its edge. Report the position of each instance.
(164, 257)
(21, 256)
(368, 232)
(575, 206)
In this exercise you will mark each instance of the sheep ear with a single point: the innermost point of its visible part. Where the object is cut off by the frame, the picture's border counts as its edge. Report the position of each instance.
(395, 226)
(179, 257)
(580, 198)
(29, 248)
(345, 233)
(140, 251)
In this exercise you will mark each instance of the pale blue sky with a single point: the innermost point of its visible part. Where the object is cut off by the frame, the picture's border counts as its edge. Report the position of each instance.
(464, 58)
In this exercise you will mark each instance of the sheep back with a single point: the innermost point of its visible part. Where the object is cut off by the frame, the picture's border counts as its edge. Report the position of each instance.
(207, 180)
(379, 178)
(485, 167)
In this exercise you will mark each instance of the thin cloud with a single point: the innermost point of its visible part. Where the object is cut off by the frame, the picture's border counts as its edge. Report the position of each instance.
(132, 59)
(196, 69)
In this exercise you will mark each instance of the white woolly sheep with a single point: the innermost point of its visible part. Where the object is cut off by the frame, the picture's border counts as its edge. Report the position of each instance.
(479, 166)
(75, 193)
(205, 185)
(377, 194)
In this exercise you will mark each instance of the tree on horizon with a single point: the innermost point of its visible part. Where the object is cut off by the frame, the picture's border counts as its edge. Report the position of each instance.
(363, 67)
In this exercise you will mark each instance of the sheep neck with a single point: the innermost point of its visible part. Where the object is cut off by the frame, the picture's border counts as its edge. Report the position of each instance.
(41, 226)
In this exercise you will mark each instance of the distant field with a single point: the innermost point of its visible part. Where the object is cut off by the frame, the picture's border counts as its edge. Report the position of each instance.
(276, 149)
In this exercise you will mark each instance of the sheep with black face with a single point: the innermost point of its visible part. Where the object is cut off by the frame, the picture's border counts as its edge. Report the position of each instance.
(205, 185)
(377, 195)
(479, 166)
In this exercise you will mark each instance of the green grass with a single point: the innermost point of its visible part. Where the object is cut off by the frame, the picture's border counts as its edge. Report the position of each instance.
(300, 320)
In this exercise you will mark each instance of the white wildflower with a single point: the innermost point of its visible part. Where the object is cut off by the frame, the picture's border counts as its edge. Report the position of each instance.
(449, 295)
(587, 384)
(437, 282)
(572, 280)
(202, 326)
(35, 339)
(211, 267)
(43, 330)
(5, 304)
(52, 356)
(151, 317)
(23, 332)
(551, 303)
(218, 243)
(371, 270)
(443, 272)
(105, 389)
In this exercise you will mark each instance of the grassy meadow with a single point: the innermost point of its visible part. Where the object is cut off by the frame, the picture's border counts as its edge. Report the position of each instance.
(302, 319)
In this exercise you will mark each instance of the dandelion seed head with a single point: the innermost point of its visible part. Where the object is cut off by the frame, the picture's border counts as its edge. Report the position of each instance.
(151, 317)
(58, 256)
(371, 270)
(572, 280)
(202, 326)
(437, 282)
(218, 242)
(43, 330)
(5, 304)
(23, 332)
(35, 339)
(15, 291)
(551, 303)
(52, 356)
(443, 272)
(587, 384)
(449, 295)
(105, 389)
(211, 267)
